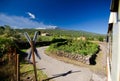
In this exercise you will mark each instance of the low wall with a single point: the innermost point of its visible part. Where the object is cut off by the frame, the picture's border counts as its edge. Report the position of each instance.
(78, 57)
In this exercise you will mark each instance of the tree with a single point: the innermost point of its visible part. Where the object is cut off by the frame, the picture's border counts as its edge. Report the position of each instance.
(100, 39)
(2, 30)
(8, 31)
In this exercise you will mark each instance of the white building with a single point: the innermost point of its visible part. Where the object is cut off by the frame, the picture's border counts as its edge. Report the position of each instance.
(113, 58)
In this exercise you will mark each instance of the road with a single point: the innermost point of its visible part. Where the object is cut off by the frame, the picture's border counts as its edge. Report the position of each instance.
(60, 71)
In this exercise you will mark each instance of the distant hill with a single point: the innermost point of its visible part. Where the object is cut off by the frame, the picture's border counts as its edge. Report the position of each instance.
(63, 32)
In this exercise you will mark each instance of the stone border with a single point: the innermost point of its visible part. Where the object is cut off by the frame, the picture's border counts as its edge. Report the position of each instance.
(77, 57)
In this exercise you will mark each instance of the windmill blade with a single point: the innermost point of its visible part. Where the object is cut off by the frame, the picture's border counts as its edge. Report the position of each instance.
(27, 37)
(35, 37)
(36, 52)
(29, 54)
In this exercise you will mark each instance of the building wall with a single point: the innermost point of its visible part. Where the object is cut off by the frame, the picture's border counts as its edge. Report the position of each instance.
(115, 53)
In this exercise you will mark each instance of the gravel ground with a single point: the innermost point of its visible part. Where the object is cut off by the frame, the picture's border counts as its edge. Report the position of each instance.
(61, 71)
(103, 47)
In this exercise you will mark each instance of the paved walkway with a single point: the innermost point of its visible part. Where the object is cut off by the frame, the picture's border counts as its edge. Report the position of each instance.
(61, 71)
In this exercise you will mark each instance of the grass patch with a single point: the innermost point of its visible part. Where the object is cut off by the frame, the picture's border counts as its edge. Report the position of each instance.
(27, 72)
(6, 72)
(24, 50)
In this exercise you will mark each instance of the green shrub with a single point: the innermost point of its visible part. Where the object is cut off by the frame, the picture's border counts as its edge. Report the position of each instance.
(45, 38)
(76, 47)
(5, 44)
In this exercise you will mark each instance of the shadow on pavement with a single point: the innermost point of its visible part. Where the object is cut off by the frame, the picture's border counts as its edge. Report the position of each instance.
(59, 75)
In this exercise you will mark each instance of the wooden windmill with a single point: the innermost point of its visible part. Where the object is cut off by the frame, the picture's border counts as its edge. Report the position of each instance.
(32, 50)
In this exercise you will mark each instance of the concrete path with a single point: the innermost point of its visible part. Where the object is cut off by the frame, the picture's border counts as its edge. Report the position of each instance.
(61, 71)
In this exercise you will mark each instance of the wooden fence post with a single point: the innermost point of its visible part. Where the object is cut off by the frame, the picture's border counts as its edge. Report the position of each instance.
(18, 68)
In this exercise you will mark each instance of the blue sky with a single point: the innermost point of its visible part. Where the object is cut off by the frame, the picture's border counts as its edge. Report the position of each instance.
(87, 15)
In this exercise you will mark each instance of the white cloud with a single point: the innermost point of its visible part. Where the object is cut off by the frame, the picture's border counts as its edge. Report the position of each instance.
(21, 22)
(32, 16)
(48, 27)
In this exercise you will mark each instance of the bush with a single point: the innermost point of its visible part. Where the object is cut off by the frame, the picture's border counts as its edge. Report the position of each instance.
(45, 38)
(76, 47)
(5, 44)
